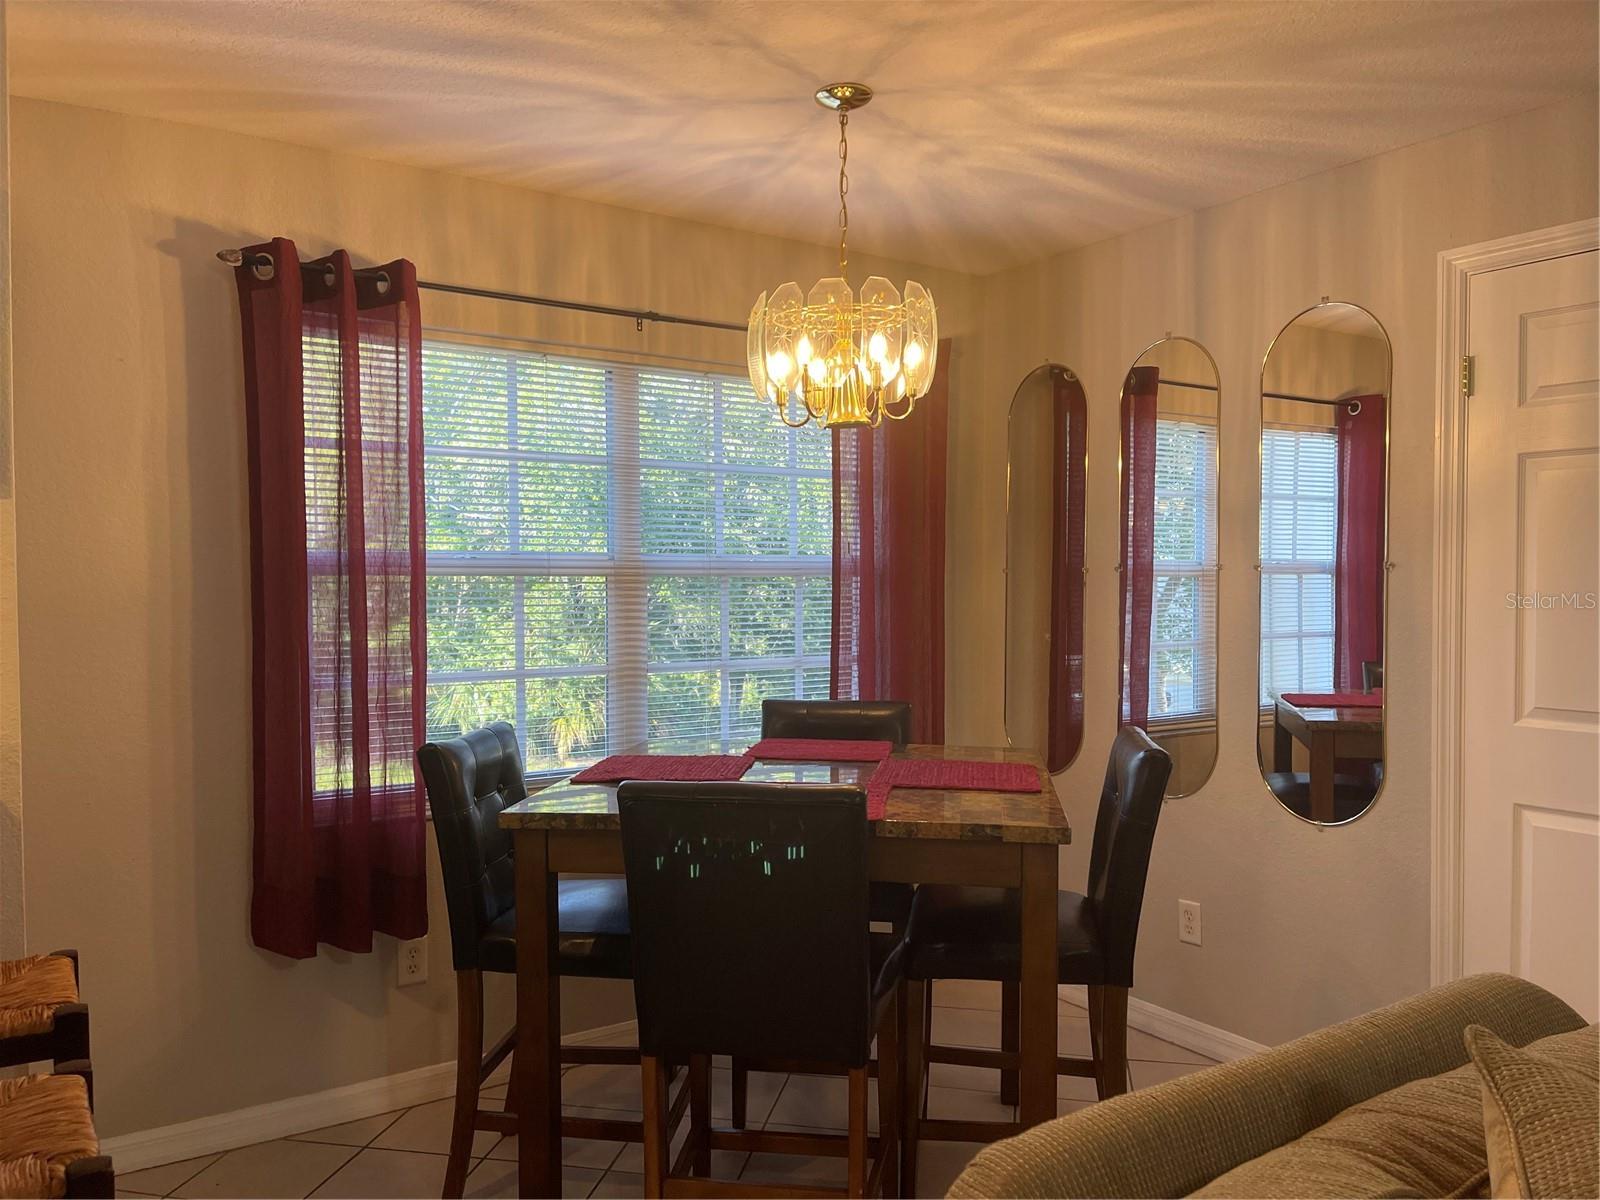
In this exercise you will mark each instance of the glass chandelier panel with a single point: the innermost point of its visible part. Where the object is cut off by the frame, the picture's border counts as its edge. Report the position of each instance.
(838, 359)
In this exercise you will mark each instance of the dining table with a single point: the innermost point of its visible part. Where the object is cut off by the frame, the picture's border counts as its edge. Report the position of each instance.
(1329, 732)
(921, 835)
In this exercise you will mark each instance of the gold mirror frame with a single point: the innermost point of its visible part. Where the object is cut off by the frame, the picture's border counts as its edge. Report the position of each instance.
(1262, 723)
(1045, 376)
(1203, 771)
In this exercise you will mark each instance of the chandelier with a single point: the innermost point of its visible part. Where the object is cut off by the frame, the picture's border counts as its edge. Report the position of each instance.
(833, 358)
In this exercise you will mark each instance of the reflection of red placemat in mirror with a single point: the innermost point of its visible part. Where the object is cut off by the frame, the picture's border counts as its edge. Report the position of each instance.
(820, 750)
(954, 774)
(689, 768)
(1372, 699)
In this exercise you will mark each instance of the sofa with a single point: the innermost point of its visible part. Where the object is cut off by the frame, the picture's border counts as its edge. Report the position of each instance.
(1385, 1104)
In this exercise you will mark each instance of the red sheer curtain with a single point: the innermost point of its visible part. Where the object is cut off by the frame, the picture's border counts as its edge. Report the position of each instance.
(1068, 461)
(333, 394)
(1358, 556)
(1138, 539)
(888, 560)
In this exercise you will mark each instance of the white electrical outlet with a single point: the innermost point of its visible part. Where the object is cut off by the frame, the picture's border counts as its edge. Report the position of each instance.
(1189, 922)
(413, 962)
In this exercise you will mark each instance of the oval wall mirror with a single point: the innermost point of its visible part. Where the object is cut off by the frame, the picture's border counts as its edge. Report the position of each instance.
(1046, 464)
(1170, 416)
(1324, 553)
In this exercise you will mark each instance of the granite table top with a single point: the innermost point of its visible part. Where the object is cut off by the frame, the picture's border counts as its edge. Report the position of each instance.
(933, 813)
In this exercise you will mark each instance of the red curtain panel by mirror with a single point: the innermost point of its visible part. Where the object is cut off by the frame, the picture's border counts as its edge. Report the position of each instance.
(888, 560)
(1358, 555)
(333, 395)
(1065, 718)
(1139, 539)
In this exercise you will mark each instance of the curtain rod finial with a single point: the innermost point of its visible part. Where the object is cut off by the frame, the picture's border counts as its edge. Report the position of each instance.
(233, 258)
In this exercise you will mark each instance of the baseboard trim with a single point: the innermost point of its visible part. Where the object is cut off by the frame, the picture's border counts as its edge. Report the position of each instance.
(279, 1118)
(297, 1114)
(1169, 1026)
(352, 1102)
(604, 1034)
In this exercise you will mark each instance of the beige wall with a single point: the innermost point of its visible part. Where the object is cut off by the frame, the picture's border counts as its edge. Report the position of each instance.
(1302, 926)
(132, 534)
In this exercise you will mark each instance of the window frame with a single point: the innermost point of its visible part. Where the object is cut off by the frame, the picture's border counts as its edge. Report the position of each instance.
(626, 567)
(1207, 534)
(1299, 568)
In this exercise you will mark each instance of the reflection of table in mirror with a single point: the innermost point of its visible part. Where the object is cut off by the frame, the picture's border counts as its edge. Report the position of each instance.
(1328, 734)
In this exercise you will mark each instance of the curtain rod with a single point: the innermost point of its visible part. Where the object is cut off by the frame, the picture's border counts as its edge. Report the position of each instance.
(1199, 387)
(1351, 406)
(236, 258)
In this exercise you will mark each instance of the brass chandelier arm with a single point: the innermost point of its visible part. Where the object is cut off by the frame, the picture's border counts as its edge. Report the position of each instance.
(784, 417)
(911, 404)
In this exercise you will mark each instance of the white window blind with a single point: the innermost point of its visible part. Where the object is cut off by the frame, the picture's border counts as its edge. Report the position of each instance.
(1183, 682)
(617, 554)
(1299, 523)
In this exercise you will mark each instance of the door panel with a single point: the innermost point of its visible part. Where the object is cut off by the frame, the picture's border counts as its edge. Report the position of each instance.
(1531, 630)
(1555, 866)
(1557, 647)
(1560, 358)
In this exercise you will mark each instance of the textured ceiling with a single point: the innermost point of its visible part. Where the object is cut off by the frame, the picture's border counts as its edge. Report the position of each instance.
(1001, 132)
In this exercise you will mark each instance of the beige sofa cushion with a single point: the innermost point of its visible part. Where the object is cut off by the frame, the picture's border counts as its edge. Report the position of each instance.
(1175, 1137)
(1541, 1110)
(1424, 1138)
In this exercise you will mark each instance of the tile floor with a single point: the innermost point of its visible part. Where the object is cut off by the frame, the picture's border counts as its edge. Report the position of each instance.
(401, 1154)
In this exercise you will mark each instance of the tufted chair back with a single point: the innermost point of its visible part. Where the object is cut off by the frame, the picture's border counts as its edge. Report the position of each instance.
(469, 780)
(1124, 831)
(847, 720)
(771, 879)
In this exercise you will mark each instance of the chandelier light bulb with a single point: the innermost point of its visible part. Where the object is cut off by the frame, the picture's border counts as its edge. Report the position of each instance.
(837, 358)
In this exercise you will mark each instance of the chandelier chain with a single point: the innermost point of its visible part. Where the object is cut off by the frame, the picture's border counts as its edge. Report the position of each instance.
(844, 188)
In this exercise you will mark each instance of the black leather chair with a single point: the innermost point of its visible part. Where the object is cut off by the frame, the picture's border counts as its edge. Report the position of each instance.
(748, 905)
(975, 933)
(851, 721)
(469, 780)
(847, 720)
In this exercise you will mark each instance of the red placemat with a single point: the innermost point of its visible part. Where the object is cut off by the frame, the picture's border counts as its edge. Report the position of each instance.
(1372, 699)
(820, 750)
(952, 773)
(694, 768)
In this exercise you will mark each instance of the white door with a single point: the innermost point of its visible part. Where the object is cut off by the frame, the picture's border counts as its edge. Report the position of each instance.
(1530, 674)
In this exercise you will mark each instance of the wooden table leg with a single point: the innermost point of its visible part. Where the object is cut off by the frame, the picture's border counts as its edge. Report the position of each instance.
(536, 1066)
(913, 1052)
(1282, 744)
(1321, 776)
(1008, 1039)
(1037, 1085)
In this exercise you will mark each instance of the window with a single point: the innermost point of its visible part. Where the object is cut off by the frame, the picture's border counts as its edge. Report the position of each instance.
(617, 554)
(1299, 519)
(1184, 587)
